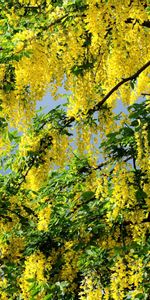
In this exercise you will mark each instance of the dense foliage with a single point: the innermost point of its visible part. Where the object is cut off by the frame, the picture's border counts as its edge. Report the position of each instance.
(74, 182)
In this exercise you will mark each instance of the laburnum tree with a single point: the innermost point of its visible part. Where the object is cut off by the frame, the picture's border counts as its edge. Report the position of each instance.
(74, 181)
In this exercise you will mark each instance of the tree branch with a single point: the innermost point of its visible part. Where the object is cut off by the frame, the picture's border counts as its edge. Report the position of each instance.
(115, 88)
(146, 23)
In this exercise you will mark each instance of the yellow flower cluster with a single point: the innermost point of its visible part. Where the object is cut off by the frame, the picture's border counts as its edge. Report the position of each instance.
(127, 273)
(143, 161)
(124, 193)
(3, 286)
(69, 269)
(2, 72)
(91, 288)
(34, 269)
(102, 187)
(44, 218)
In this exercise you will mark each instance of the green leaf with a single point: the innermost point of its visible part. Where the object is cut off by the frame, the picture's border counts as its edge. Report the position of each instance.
(30, 279)
(36, 291)
(87, 195)
(48, 297)
(132, 83)
(140, 296)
